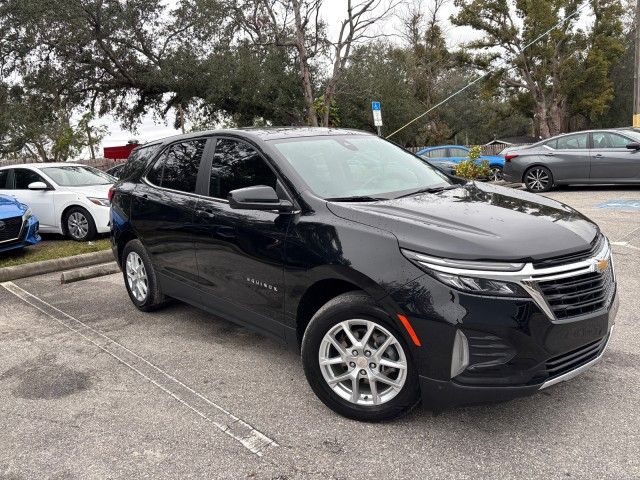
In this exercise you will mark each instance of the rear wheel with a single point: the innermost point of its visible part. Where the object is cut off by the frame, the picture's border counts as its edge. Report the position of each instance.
(140, 277)
(538, 179)
(356, 361)
(496, 173)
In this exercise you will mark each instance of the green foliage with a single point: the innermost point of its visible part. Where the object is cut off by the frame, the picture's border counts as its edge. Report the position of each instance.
(471, 169)
(475, 152)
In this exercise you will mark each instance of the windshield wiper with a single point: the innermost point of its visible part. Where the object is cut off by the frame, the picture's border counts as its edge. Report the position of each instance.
(355, 198)
(429, 190)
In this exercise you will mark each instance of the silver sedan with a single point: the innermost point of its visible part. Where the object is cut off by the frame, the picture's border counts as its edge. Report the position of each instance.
(590, 157)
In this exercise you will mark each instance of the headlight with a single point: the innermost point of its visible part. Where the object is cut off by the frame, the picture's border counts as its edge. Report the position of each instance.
(104, 202)
(446, 270)
(27, 215)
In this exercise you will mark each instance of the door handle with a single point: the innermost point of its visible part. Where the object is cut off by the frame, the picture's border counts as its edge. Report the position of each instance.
(599, 155)
(549, 154)
(207, 212)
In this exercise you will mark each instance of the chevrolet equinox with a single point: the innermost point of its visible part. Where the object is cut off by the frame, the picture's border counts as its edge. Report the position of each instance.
(396, 282)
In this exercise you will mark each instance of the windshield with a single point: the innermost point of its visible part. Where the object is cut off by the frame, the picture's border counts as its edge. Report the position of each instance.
(78, 176)
(349, 166)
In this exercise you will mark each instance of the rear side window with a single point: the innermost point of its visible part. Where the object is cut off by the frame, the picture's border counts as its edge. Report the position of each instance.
(177, 167)
(572, 142)
(137, 162)
(458, 152)
(237, 165)
(4, 178)
(23, 177)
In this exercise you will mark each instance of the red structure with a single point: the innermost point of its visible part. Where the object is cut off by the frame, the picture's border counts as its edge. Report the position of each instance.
(121, 152)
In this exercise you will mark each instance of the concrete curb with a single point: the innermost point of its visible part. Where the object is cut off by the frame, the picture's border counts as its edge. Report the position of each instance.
(93, 271)
(55, 265)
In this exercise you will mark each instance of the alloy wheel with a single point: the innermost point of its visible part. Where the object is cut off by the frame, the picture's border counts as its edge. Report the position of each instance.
(496, 174)
(78, 225)
(537, 179)
(363, 362)
(137, 277)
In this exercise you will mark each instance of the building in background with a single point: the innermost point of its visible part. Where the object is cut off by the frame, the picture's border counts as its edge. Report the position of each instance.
(120, 152)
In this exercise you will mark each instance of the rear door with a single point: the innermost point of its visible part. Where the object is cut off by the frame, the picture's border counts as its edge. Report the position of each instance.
(611, 161)
(162, 213)
(569, 157)
(240, 253)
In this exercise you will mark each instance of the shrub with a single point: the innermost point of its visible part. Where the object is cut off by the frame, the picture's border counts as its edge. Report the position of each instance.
(471, 169)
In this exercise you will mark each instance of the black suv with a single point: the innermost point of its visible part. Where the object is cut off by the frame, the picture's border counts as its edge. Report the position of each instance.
(397, 282)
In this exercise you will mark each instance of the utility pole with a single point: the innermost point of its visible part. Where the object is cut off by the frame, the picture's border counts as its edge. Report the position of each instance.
(636, 84)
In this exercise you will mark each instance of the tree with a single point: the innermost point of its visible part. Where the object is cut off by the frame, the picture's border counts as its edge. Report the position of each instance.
(546, 66)
(296, 25)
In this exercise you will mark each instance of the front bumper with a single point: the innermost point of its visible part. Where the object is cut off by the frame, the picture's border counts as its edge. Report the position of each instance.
(516, 346)
(29, 235)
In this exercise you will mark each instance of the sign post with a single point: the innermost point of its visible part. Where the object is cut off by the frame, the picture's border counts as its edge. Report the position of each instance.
(377, 115)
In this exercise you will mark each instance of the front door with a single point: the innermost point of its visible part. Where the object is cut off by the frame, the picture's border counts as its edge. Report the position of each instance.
(41, 202)
(611, 160)
(162, 209)
(240, 252)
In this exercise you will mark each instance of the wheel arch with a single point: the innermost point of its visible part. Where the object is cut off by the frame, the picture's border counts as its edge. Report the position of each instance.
(65, 210)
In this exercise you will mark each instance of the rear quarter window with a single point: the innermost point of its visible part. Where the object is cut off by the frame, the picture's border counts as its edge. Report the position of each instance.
(137, 162)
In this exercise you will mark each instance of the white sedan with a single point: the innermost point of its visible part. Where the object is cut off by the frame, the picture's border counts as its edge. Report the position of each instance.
(67, 198)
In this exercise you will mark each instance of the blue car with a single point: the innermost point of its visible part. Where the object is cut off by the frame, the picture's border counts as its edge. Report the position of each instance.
(18, 227)
(447, 157)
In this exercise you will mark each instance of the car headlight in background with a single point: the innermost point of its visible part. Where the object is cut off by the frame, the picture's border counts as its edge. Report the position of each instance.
(27, 215)
(103, 202)
(468, 282)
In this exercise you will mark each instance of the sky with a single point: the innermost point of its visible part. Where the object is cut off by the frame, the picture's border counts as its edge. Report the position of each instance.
(152, 128)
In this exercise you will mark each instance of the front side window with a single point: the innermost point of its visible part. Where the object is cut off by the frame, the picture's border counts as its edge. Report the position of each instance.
(343, 166)
(572, 142)
(609, 140)
(237, 165)
(437, 153)
(76, 176)
(23, 177)
(177, 167)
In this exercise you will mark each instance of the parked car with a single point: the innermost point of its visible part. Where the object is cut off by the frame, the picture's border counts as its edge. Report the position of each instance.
(447, 157)
(396, 282)
(116, 170)
(67, 198)
(18, 225)
(590, 157)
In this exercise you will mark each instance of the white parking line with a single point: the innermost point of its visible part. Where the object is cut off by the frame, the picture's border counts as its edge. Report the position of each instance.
(250, 438)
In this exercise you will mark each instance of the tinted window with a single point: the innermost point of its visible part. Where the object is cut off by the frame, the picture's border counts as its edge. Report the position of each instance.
(137, 161)
(23, 177)
(4, 177)
(177, 167)
(458, 152)
(572, 142)
(237, 165)
(609, 140)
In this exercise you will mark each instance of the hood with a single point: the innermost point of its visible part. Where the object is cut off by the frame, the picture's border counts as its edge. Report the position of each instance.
(478, 221)
(10, 207)
(98, 191)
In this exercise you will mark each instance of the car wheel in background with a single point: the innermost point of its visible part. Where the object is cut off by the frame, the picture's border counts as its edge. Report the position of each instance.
(140, 277)
(538, 179)
(79, 225)
(496, 173)
(356, 361)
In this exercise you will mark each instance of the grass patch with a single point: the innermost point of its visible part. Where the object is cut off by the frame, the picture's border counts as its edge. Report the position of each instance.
(50, 249)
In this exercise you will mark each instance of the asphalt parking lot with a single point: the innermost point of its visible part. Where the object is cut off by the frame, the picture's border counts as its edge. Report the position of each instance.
(92, 388)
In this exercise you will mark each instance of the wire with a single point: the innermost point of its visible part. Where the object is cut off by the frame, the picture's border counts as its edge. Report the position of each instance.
(535, 40)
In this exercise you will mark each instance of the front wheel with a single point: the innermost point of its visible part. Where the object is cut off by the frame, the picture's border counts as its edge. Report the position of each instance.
(538, 179)
(357, 363)
(79, 224)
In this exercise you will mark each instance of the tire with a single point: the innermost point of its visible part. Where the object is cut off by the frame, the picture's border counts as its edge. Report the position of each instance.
(358, 312)
(145, 291)
(496, 173)
(538, 179)
(78, 225)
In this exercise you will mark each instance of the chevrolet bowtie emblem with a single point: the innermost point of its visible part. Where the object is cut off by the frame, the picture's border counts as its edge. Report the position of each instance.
(602, 265)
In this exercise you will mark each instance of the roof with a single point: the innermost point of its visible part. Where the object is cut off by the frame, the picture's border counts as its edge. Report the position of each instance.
(265, 133)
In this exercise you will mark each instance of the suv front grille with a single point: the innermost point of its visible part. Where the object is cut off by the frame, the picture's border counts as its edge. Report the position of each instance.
(596, 246)
(10, 228)
(579, 295)
(569, 361)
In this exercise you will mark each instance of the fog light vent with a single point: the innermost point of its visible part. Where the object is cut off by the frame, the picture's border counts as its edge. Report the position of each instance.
(460, 354)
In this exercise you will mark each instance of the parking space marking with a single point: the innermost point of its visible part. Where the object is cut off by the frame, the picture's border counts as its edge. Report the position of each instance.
(250, 438)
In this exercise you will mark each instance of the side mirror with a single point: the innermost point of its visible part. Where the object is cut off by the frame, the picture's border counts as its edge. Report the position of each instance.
(633, 146)
(38, 186)
(259, 197)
